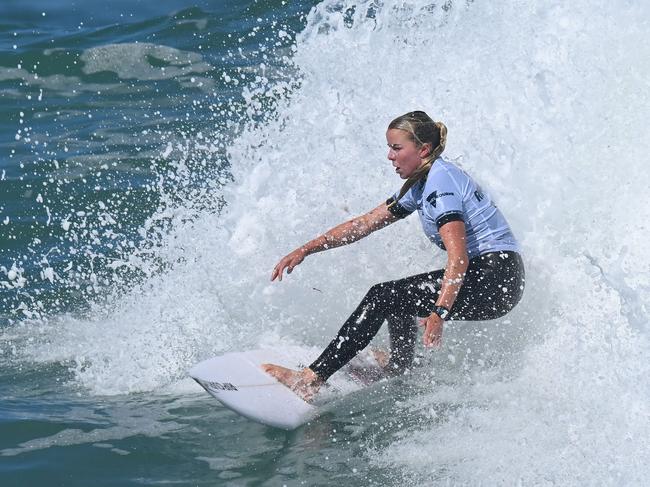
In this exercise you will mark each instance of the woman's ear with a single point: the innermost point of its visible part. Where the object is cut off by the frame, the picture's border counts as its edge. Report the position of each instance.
(425, 150)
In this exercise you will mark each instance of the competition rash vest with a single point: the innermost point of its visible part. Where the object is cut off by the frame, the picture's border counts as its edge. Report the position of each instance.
(449, 194)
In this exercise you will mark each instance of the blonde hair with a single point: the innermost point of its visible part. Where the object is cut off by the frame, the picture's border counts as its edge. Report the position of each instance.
(422, 130)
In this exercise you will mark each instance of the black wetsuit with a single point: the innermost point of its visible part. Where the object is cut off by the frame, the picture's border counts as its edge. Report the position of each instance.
(493, 285)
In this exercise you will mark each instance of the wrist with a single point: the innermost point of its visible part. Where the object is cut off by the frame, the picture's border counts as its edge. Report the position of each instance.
(441, 311)
(309, 248)
(313, 246)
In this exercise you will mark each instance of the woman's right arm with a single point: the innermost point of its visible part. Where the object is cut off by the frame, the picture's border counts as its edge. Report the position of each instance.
(343, 234)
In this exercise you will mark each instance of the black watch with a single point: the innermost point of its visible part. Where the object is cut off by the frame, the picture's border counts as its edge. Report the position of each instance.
(442, 312)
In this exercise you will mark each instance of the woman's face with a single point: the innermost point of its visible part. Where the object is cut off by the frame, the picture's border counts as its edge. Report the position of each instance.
(403, 153)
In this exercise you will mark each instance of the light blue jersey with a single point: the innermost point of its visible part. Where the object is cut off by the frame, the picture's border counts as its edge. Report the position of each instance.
(449, 194)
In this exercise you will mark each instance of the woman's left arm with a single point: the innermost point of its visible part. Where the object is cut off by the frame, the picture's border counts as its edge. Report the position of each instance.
(454, 238)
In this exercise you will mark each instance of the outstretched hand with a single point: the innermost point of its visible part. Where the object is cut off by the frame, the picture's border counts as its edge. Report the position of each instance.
(432, 330)
(288, 262)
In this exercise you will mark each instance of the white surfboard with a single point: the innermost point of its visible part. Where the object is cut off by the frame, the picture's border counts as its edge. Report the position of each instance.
(238, 382)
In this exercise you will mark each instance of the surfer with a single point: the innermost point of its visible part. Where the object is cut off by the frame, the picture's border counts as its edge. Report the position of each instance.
(483, 278)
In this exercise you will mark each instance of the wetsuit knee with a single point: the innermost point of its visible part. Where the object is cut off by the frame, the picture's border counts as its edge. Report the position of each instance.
(381, 296)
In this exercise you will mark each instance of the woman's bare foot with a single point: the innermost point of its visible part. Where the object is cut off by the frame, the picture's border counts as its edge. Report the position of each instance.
(305, 383)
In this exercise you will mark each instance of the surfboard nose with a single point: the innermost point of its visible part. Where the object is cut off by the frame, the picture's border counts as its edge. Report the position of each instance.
(238, 382)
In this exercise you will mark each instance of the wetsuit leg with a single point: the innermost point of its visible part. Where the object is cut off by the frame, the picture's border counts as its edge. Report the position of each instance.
(493, 285)
(402, 331)
(404, 299)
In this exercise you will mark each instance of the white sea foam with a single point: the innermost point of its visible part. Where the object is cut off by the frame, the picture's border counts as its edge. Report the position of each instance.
(547, 106)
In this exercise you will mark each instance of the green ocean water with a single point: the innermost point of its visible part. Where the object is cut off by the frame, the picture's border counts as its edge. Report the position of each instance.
(90, 95)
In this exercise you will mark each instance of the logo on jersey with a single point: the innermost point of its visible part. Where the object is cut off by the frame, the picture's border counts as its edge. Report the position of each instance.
(434, 196)
(479, 194)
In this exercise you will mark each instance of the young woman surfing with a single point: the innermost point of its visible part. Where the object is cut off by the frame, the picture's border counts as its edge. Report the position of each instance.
(483, 278)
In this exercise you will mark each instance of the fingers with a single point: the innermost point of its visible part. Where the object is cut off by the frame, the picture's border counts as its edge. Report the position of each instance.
(430, 341)
(289, 262)
(277, 271)
(432, 336)
(435, 340)
(285, 263)
(281, 268)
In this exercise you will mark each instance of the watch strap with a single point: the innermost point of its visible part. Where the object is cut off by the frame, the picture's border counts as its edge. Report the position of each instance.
(442, 312)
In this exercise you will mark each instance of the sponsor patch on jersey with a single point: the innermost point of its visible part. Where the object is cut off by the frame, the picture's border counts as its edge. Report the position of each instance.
(435, 195)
